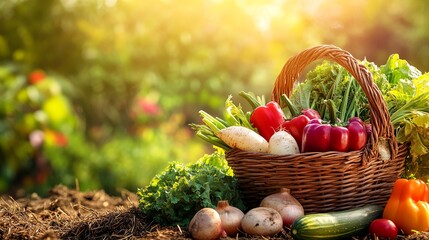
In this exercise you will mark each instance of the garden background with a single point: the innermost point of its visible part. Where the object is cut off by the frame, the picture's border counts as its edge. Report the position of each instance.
(101, 92)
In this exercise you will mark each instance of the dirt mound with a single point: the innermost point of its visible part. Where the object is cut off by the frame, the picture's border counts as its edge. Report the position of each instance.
(71, 214)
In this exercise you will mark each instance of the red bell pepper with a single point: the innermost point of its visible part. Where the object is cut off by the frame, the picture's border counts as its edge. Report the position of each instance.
(311, 113)
(295, 126)
(358, 134)
(320, 137)
(267, 119)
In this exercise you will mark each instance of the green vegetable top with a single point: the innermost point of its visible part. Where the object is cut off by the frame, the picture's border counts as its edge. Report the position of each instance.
(175, 195)
(404, 88)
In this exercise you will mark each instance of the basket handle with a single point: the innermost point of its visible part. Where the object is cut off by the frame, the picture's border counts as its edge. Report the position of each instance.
(382, 129)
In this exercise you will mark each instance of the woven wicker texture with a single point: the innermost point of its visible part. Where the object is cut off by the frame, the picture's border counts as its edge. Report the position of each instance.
(325, 181)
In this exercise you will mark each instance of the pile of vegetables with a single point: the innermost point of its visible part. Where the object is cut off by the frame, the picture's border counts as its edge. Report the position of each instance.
(265, 129)
(280, 211)
(275, 211)
(404, 88)
(406, 213)
(328, 112)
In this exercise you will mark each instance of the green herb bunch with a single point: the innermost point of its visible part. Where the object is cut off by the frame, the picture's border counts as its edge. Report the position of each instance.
(175, 195)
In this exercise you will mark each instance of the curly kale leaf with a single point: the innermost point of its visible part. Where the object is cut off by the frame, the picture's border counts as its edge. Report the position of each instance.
(175, 195)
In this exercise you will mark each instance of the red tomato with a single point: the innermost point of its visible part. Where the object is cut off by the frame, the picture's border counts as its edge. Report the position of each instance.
(383, 228)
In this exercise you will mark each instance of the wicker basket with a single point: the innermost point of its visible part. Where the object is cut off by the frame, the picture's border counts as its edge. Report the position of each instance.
(325, 181)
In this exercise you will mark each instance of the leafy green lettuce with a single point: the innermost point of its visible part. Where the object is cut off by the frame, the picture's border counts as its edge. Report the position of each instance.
(408, 102)
(175, 195)
(415, 131)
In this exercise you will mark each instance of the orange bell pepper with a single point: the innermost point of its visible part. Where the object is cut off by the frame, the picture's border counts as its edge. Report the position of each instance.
(408, 206)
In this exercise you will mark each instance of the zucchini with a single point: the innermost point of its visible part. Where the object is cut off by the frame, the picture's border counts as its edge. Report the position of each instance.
(336, 225)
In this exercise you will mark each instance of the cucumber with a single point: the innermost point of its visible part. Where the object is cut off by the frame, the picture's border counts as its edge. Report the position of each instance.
(336, 225)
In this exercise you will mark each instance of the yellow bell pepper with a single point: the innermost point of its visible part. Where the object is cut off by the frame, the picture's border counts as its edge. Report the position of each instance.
(408, 206)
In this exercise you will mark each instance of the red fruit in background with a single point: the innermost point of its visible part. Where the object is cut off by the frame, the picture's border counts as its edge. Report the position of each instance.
(36, 76)
(60, 139)
(383, 228)
(55, 138)
(148, 107)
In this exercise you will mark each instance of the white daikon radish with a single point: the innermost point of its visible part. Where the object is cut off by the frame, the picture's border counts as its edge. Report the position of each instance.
(243, 138)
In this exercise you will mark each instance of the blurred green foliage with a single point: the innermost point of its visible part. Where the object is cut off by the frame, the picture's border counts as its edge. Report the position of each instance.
(42, 142)
(135, 73)
(34, 115)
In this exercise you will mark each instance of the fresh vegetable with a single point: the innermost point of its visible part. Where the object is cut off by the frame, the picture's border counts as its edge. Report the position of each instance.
(176, 194)
(311, 113)
(230, 217)
(295, 125)
(283, 202)
(233, 116)
(267, 119)
(407, 96)
(383, 228)
(206, 225)
(252, 99)
(282, 143)
(293, 109)
(408, 205)
(262, 221)
(329, 81)
(357, 134)
(243, 139)
(321, 137)
(411, 121)
(336, 225)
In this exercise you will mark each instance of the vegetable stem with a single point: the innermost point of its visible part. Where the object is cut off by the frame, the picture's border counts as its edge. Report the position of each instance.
(292, 108)
(331, 110)
(331, 91)
(214, 124)
(251, 99)
(420, 103)
(344, 103)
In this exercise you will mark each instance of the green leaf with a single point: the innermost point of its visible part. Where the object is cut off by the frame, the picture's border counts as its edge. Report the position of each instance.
(175, 195)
